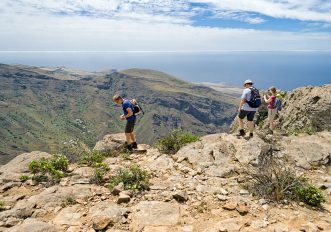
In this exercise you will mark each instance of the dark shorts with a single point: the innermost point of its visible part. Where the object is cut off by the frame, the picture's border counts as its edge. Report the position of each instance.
(248, 114)
(130, 126)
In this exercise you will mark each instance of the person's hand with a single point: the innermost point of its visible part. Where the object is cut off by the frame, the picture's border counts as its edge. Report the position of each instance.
(122, 117)
(239, 109)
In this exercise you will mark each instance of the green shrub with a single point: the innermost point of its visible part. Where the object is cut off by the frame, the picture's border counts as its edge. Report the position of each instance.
(273, 179)
(70, 201)
(176, 139)
(2, 206)
(54, 167)
(263, 115)
(92, 158)
(311, 195)
(40, 178)
(24, 178)
(133, 178)
(100, 171)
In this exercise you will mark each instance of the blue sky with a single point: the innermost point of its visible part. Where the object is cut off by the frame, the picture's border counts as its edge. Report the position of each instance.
(165, 25)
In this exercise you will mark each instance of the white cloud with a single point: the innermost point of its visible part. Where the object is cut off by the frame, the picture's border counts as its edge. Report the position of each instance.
(151, 25)
(84, 33)
(310, 10)
(241, 16)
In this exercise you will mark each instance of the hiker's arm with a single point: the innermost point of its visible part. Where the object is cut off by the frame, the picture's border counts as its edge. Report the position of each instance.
(267, 100)
(242, 102)
(130, 113)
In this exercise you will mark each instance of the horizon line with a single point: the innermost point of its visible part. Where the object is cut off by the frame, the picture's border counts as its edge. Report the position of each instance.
(159, 51)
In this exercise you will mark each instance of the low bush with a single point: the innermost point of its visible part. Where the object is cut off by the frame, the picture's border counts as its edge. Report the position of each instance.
(133, 178)
(176, 139)
(24, 178)
(92, 158)
(70, 201)
(311, 195)
(273, 179)
(101, 170)
(2, 206)
(52, 169)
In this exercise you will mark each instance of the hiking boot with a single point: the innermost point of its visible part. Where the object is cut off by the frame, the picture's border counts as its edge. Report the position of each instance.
(241, 133)
(270, 132)
(129, 147)
(251, 135)
(134, 145)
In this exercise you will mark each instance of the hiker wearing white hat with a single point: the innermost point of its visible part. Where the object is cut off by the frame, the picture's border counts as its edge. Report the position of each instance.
(249, 102)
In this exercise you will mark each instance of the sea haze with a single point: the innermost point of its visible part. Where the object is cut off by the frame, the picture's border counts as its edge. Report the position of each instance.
(286, 70)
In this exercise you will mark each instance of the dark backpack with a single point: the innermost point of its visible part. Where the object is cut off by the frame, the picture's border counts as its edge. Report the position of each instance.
(255, 100)
(136, 108)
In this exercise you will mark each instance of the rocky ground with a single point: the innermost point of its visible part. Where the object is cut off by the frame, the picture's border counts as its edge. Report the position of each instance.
(197, 189)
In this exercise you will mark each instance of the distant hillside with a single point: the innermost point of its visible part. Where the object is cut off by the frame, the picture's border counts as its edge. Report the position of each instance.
(42, 107)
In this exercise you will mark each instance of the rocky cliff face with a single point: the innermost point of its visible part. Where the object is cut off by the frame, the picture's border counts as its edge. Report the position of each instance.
(197, 189)
(307, 109)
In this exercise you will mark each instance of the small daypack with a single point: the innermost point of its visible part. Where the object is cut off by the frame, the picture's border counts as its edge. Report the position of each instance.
(277, 104)
(255, 100)
(136, 108)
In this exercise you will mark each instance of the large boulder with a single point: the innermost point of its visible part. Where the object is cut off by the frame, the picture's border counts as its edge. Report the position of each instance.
(216, 153)
(111, 142)
(13, 170)
(106, 213)
(307, 109)
(308, 151)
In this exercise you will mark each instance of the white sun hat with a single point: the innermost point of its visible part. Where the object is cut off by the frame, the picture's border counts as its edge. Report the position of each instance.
(248, 82)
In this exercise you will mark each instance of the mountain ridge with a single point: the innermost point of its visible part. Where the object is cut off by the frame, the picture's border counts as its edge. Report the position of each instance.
(50, 106)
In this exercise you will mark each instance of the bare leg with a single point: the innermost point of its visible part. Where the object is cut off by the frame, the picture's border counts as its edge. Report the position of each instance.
(241, 123)
(128, 138)
(251, 126)
(271, 124)
(133, 137)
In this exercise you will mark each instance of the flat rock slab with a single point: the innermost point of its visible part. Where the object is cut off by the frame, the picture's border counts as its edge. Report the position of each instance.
(68, 216)
(155, 213)
(32, 225)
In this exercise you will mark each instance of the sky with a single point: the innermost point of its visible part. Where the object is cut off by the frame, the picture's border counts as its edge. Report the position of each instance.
(165, 25)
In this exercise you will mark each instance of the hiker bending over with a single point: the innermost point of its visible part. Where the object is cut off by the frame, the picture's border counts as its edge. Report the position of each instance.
(272, 107)
(250, 101)
(130, 118)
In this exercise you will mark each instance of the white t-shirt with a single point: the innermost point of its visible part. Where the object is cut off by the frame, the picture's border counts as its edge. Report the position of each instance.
(247, 96)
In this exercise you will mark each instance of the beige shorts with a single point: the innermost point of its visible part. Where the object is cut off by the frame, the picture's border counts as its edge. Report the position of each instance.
(271, 114)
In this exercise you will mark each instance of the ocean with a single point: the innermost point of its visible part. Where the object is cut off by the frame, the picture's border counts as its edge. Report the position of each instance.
(285, 70)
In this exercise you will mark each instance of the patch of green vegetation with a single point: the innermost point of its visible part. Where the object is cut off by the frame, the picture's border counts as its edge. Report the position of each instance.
(2, 206)
(176, 139)
(263, 115)
(305, 130)
(52, 169)
(95, 159)
(70, 201)
(92, 158)
(24, 178)
(101, 170)
(133, 178)
(311, 195)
